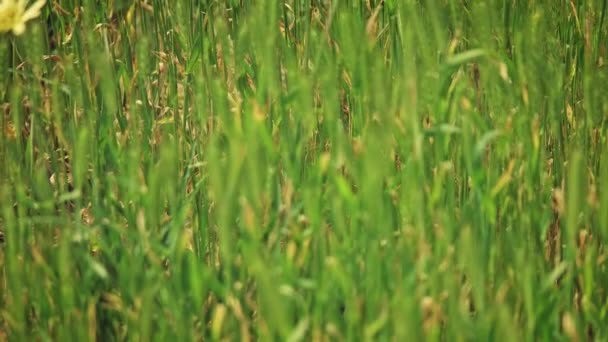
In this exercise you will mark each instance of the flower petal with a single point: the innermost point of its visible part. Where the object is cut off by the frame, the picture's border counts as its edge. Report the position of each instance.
(33, 11)
(19, 28)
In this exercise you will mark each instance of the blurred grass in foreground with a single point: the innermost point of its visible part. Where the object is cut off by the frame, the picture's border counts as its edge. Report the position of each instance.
(305, 170)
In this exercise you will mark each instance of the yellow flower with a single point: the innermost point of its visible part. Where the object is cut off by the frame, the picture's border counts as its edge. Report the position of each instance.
(14, 14)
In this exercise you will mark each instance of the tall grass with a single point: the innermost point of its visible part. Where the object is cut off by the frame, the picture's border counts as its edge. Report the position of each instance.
(305, 170)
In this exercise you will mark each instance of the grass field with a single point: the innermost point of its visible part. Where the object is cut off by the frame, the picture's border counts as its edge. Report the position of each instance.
(296, 170)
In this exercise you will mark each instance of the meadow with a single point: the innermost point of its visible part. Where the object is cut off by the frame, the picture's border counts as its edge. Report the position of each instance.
(304, 170)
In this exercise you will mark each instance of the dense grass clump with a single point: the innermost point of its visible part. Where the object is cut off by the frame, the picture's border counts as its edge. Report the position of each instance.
(305, 170)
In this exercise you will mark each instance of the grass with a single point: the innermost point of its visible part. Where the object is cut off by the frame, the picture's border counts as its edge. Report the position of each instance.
(305, 170)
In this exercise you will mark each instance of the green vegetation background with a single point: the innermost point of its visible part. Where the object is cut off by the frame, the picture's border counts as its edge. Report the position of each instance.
(305, 170)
